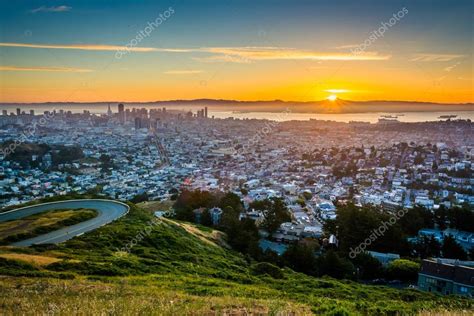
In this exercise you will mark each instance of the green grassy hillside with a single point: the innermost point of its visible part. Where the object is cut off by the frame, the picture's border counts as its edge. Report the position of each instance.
(43, 223)
(139, 264)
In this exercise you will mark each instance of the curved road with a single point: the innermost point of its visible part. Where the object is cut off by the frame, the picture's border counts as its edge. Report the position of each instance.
(108, 211)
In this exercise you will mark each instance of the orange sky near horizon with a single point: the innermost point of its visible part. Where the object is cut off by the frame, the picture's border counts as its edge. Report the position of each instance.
(303, 51)
(350, 80)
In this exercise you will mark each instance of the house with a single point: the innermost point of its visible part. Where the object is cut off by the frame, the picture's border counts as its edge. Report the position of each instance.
(216, 214)
(312, 231)
(464, 239)
(327, 209)
(198, 214)
(434, 233)
(265, 244)
(288, 232)
(257, 216)
(445, 276)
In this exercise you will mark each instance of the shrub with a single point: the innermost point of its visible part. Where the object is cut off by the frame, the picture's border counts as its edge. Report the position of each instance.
(263, 268)
(404, 270)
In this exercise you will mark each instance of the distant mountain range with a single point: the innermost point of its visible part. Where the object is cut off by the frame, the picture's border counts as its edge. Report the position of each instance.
(324, 106)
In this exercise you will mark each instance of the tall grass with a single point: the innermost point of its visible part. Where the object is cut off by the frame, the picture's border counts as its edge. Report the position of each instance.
(173, 271)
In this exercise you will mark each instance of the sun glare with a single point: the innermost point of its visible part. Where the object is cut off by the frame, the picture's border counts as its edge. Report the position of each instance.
(332, 97)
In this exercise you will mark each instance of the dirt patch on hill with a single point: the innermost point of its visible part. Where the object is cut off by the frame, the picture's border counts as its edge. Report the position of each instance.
(214, 237)
(32, 259)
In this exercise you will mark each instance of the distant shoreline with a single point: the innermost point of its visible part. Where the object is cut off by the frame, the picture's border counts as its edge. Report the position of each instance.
(276, 106)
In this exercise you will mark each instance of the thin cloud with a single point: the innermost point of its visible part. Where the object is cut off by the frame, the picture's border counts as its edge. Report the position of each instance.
(223, 58)
(450, 68)
(435, 57)
(347, 46)
(61, 8)
(182, 72)
(337, 90)
(247, 54)
(48, 69)
(222, 54)
(96, 47)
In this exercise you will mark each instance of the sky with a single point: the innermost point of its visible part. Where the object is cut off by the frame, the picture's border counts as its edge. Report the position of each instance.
(141, 51)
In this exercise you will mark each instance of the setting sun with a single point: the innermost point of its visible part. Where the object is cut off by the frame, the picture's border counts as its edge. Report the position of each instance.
(332, 97)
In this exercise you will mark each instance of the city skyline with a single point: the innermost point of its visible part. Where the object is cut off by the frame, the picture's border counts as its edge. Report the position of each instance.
(72, 51)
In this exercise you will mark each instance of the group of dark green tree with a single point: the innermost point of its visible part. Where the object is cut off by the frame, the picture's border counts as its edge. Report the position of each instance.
(22, 153)
(352, 226)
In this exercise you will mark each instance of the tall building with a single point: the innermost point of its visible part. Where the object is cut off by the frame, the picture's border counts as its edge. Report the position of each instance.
(205, 112)
(18, 111)
(4, 112)
(121, 113)
(32, 112)
(109, 111)
(138, 123)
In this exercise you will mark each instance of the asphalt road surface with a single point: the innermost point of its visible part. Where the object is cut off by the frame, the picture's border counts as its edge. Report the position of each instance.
(107, 212)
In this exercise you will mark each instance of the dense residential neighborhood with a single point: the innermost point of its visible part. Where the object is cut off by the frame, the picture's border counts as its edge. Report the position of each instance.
(305, 170)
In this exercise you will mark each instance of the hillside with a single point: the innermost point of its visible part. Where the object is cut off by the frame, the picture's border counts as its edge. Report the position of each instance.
(178, 268)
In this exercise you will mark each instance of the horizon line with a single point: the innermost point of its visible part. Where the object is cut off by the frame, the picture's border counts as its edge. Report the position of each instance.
(242, 101)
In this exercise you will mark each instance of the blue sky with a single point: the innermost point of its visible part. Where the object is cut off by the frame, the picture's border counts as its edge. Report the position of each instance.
(431, 28)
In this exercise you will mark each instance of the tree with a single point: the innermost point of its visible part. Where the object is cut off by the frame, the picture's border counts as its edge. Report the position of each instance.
(139, 198)
(301, 202)
(206, 218)
(67, 155)
(334, 266)
(188, 201)
(233, 200)
(243, 235)
(229, 216)
(427, 247)
(368, 267)
(354, 225)
(415, 219)
(461, 218)
(274, 212)
(301, 258)
(440, 217)
(452, 250)
(404, 270)
(307, 195)
(418, 159)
